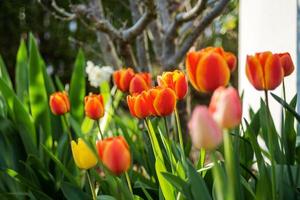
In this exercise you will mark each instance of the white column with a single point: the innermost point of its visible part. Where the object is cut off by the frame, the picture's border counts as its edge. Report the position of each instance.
(266, 25)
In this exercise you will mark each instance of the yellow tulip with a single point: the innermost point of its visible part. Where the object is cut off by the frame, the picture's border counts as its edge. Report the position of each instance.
(83, 156)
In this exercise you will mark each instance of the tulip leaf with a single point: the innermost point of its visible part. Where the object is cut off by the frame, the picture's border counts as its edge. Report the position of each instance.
(38, 94)
(77, 87)
(60, 165)
(105, 197)
(22, 119)
(287, 106)
(72, 192)
(4, 74)
(22, 69)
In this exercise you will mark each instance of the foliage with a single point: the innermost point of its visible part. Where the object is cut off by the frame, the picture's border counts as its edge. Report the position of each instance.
(36, 161)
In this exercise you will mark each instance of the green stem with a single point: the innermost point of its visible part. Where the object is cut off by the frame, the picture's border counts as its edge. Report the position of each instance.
(229, 164)
(67, 126)
(271, 148)
(283, 88)
(218, 176)
(179, 130)
(91, 186)
(100, 135)
(166, 126)
(128, 182)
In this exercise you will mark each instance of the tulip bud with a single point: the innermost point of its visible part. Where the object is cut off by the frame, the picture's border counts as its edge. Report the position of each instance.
(176, 81)
(226, 107)
(114, 153)
(138, 105)
(122, 78)
(59, 103)
(140, 82)
(205, 132)
(94, 106)
(83, 156)
(286, 63)
(209, 68)
(264, 70)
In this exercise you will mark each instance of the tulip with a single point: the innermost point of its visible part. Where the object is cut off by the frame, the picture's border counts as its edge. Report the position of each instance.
(114, 154)
(83, 156)
(59, 103)
(140, 82)
(122, 78)
(264, 70)
(286, 63)
(94, 106)
(209, 68)
(138, 105)
(226, 107)
(153, 102)
(175, 80)
(204, 131)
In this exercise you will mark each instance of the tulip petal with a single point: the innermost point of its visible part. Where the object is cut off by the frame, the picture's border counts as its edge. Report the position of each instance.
(165, 102)
(212, 72)
(254, 72)
(191, 62)
(287, 63)
(181, 87)
(273, 72)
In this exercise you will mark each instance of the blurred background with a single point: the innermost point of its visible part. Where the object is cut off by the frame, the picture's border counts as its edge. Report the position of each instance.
(59, 40)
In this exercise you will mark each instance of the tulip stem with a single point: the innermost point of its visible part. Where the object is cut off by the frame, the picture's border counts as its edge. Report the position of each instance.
(179, 130)
(283, 87)
(91, 186)
(166, 125)
(267, 99)
(128, 182)
(100, 135)
(67, 126)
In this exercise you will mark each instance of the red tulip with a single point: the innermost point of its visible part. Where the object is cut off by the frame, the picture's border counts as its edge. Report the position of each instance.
(140, 82)
(114, 154)
(94, 106)
(205, 132)
(264, 70)
(226, 107)
(59, 103)
(175, 80)
(154, 102)
(286, 63)
(122, 78)
(209, 68)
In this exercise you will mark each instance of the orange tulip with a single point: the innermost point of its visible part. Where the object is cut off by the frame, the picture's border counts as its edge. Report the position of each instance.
(209, 68)
(140, 82)
(59, 103)
(154, 102)
(175, 80)
(114, 153)
(94, 106)
(204, 131)
(264, 70)
(226, 107)
(138, 105)
(287, 63)
(122, 78)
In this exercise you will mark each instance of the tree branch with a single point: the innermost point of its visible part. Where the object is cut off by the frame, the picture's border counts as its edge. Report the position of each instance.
(216, 11)
(103, 25)
(193, 13)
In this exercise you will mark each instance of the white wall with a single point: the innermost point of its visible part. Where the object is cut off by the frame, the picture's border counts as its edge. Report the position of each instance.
(266, 25)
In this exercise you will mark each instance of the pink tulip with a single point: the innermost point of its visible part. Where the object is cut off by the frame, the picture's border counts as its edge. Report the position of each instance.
(226, 107)
(205, 132)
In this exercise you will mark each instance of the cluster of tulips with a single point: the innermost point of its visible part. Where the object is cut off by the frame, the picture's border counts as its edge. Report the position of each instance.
(113, 151)
(208, 70)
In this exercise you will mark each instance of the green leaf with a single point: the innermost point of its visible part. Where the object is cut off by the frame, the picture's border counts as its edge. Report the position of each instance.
(4, 74)
(38, 94)
(181, 185)
(105, 197)
(166, 188)
(77, 87)
(287, 106)
(22, 119)
(72, 192)
(22, 73)
(61, 166)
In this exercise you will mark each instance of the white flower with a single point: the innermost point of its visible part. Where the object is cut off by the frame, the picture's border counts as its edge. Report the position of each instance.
(98, 75)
